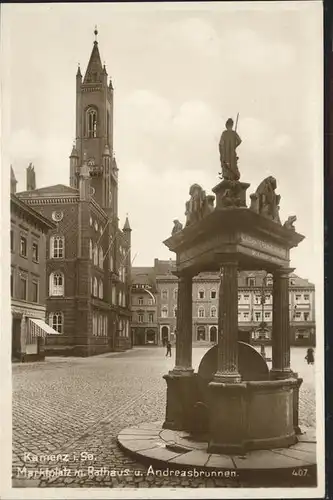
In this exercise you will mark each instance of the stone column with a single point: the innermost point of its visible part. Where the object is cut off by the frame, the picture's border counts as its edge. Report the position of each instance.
(281, 325)
(181, 382)
(183, 362)
(227, 365)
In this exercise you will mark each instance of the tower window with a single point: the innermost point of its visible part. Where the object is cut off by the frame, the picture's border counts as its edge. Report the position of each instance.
(91, 122)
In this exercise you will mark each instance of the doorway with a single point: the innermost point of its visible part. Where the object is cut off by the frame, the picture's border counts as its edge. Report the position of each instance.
(213, 333)
(165, 334)
(201, 333)
(16, 337)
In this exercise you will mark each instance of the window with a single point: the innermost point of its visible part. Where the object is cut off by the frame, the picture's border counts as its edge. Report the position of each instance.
(12, 282)
(213, 312)
(267, 315)
(23, 287)
(306, 296)
(91, 122)
(201, 312)
(95, 287)
(164, 312)
(95, 324)
(56, 284)
(164, 294)
(257, 315)
(95, 255)
(175, 312)
(258, 299)
(298, 297)
(34, 289)
(57, 247)
(90, 250)
(23, 246)
(140, 301)
(100, 289)
(113, 295)
(150, 302)
(151, 318)
(120, 298)
(56, 320)
(298, 315)
(175, 293)
(246, 315)
(201, 294)
(239, 298)
(12, 241)
(35, 256)
(100, 258)
(251, 282)
(246, 297)
(140, 318)
(306, 316)
(213, 294)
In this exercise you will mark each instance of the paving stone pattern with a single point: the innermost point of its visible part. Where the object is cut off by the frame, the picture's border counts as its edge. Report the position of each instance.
(75, 408)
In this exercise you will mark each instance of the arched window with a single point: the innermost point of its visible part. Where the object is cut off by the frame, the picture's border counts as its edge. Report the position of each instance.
(201, 293)
(95, 255)
(56, 284)
(90, 250)
(113, 295)
(94, 324)
(100, 257)
(213, 293)
(95, 287)
(56, 320)
(201, 312)
(100, 289)
(91, 122)
(57, 247)
(164, 294)
(164, 312)
(213, 312)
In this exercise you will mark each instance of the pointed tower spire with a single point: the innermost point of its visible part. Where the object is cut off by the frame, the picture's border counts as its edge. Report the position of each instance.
(13, 181)
(94, 68)
(127, 226)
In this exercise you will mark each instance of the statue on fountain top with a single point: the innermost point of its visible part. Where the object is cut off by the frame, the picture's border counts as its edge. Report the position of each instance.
(228, 144)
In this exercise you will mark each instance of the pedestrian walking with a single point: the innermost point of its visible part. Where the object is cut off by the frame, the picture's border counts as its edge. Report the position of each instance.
(168, 353)
(310, 356)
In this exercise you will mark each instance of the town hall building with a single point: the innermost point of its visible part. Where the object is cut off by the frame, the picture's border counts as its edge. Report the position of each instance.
(88, 262)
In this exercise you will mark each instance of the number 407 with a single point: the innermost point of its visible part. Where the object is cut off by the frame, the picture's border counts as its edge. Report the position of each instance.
(300, 472)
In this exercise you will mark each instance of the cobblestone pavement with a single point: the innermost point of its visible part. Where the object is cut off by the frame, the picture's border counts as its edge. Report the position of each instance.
(74, 408)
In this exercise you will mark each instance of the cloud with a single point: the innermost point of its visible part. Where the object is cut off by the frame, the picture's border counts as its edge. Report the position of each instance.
(254, 52)
(193, 34)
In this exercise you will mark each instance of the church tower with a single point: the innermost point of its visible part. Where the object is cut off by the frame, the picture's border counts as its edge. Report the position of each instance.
(94, 133)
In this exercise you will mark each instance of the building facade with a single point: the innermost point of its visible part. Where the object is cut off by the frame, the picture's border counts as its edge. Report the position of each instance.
(88, 255)
(144, 321)
(28, 235)
(254, 306)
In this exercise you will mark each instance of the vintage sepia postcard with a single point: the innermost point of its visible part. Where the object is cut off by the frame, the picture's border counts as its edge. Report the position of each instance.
(162, 250)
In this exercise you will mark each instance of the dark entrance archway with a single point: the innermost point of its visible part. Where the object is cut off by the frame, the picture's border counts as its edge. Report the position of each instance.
(165, 334)
(201, 333)
(213, 334)
(150, 337)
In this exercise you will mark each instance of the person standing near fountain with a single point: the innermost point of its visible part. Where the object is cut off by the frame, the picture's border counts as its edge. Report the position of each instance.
(229, 141)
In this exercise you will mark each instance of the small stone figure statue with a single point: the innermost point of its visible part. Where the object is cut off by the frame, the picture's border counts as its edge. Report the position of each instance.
(208, 205)
(265, 201)
(289, 224)
(31, 177)
(195, 205)
(229, 141)
(178, 226)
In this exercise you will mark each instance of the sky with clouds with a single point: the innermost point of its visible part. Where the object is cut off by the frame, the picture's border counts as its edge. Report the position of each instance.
(179, 71)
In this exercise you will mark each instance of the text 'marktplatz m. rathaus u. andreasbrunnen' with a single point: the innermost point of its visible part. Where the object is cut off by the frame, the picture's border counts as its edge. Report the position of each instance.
(88, 258)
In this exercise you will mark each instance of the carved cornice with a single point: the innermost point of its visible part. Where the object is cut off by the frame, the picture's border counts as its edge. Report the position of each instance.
(51, 200)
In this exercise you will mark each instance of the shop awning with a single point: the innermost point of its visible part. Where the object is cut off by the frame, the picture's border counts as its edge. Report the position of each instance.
(38, 328)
